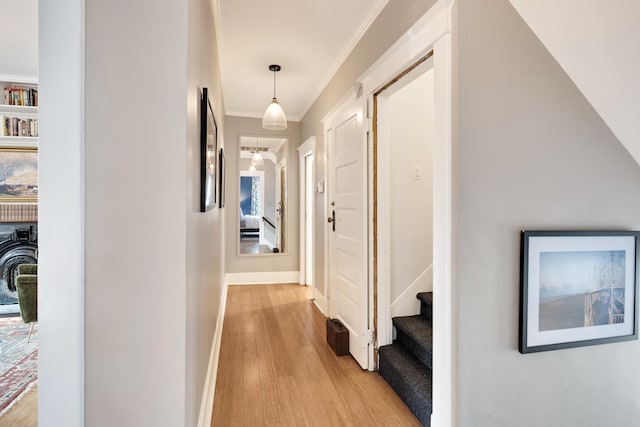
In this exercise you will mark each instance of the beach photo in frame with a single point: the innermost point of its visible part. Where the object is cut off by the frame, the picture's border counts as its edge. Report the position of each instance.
(208, 153)
(18, 175)
(577, 288)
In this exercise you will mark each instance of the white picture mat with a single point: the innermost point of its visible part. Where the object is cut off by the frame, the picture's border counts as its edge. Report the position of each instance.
(539, 244)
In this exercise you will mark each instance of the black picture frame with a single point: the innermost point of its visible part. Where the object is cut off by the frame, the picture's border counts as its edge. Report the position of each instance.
(221, 178)
(578, 288)
(208, 153)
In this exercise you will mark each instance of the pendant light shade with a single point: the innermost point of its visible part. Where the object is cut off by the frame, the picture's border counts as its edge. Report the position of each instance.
(252, 168)
(274, 118)
(256, 159)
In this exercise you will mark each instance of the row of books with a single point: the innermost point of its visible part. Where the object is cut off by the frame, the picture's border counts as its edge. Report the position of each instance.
(15, 126)
(27, 97)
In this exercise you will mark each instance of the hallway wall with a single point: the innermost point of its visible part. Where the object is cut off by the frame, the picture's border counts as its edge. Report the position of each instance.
(393, 21)
(205, 232)
(533, 155)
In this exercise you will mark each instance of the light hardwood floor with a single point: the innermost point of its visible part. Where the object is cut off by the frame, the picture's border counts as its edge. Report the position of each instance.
(276, 368)
(24, 413)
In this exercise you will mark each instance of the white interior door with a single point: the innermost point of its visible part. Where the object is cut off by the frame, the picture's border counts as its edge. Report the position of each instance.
(348, 227)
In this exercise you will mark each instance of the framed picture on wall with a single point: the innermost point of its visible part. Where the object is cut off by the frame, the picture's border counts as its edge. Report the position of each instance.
(18, 174)
(222, 167)
(578, 288)
(208, 153)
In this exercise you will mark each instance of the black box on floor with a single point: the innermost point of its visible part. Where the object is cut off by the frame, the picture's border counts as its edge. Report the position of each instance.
(338, 337)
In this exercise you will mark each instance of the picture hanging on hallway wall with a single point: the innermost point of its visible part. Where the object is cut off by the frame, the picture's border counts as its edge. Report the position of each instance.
(222, 166)
(208, 153)
(18, 175)
(577, 288)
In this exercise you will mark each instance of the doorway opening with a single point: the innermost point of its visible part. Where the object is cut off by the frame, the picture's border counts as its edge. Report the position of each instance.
(403, 191)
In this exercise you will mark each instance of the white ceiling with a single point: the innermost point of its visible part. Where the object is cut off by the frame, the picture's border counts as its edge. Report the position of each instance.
(308, 39)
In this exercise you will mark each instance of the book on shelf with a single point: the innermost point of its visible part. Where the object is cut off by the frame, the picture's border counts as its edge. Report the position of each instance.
(16, 126)
(21, 96)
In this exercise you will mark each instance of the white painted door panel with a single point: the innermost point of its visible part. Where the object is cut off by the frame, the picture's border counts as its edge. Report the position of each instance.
(348, 242)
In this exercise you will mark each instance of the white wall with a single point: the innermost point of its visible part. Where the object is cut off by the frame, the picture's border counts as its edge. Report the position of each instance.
(411, 200)
(61, 223)
(136, 190)
(532, 154)
(19, 40)
(234, 127)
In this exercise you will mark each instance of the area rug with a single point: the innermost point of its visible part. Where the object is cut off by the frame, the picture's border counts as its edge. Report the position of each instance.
(18, 360)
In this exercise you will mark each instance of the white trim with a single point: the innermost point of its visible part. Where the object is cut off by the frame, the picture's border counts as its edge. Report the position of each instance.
(320, 301)
(412, 285)
(308, 148)
(433, 32)
(445, 287)
(208, 394)
(350, 96)
(262, 277)
(15, 78)
(61, 225)
(413, 45)
(368, 129)
(340, 59)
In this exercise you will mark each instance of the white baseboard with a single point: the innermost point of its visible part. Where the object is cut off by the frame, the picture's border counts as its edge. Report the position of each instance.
(321, 302)
(263, 278)
(208, 394)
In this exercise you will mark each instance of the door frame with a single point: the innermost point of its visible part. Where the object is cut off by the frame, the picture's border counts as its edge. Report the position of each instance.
(280, 228)
(382, 194)
(432, 32)
(308, 148)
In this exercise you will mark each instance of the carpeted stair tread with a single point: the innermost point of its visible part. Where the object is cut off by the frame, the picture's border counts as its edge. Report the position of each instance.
(410, 379)
(415, 334)
(426, 304)
(425, 297)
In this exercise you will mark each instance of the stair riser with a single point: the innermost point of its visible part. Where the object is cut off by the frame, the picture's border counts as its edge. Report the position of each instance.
(426, 310)
(419, 406)
(410, 345)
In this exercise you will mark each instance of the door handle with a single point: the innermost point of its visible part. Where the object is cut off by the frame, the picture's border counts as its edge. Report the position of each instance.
(332, 220)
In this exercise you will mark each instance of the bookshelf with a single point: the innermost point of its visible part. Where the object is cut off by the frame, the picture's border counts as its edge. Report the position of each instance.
(18, 111)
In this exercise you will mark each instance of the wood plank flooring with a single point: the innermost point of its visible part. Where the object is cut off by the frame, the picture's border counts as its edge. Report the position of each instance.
(276, 368)
(24, 413)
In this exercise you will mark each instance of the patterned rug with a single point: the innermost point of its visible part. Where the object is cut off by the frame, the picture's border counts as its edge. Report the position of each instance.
(18, 360)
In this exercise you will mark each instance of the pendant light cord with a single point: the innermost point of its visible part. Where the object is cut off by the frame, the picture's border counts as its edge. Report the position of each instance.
(274, 85)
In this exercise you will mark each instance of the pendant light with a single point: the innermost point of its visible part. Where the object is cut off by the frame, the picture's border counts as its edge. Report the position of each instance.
(256, 159)
(274, 118)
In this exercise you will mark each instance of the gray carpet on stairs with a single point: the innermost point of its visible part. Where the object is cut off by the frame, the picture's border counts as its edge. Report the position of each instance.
(410, 379)
(406, 364)
(415, 334)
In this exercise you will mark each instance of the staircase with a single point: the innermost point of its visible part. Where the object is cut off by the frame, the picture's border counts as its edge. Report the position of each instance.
(407, 363)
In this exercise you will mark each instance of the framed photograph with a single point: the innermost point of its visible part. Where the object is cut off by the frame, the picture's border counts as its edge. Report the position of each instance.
(18, 174)
(208, 153)
(222, 167)
(578, 288)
